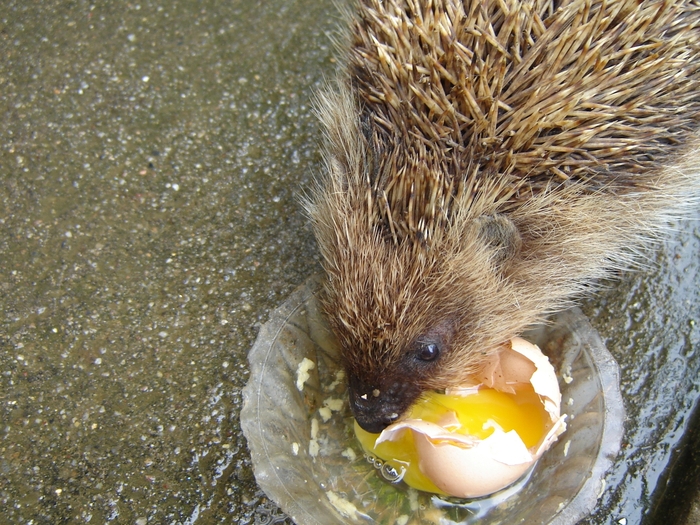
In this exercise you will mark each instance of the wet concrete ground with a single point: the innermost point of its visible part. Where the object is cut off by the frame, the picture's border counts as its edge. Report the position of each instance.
(151, 159)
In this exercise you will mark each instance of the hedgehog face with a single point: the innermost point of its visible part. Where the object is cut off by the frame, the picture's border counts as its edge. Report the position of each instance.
(412, 317)
(377, 399)
(409, 322)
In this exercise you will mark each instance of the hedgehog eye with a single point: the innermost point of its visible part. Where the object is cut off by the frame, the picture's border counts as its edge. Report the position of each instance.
(428, 351)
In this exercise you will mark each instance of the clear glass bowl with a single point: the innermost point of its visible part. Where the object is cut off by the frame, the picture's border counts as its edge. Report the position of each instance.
(306, 458)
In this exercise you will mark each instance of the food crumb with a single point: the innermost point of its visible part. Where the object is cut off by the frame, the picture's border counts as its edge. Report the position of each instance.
(314, 448)
(342, 505)
(330, 405)
(566, 375)
(334, 404)
(303, 372)
(566, 447)
(349, 453)
(413, 499)
(339, 377)
(402, 520)
(295, 448)
(325, 413)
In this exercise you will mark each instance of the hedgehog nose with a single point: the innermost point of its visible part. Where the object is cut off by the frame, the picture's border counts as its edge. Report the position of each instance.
(373, 427)
(370, 411)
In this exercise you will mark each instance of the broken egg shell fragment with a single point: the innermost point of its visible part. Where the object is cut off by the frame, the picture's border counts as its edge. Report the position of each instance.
(544, 379)
(523, 362)
(467, 467)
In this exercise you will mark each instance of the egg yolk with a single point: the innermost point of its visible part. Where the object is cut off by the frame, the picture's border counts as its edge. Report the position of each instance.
(523, 412)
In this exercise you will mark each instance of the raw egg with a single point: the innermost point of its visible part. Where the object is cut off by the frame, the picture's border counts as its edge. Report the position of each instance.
(481, 437)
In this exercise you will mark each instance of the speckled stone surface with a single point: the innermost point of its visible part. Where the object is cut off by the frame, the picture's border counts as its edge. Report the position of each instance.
(152, 156)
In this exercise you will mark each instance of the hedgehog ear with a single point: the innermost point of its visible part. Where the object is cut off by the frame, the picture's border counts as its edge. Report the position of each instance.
(501, 235)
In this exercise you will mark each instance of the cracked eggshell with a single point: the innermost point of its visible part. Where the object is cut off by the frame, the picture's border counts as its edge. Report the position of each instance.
(523, 362)
(467, 467)
(544, 379)
(464, 466)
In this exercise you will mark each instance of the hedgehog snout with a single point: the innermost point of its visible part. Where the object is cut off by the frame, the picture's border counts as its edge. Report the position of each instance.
(376, 406)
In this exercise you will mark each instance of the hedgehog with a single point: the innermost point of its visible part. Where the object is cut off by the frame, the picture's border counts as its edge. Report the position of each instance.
(486, 163)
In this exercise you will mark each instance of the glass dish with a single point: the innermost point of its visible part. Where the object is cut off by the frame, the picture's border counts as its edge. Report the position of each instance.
(306, 458)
